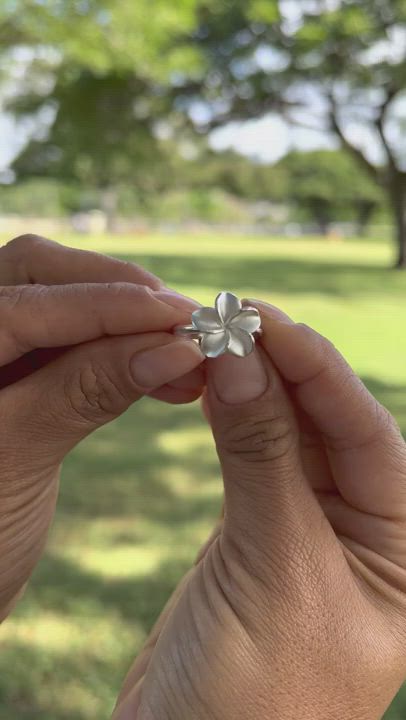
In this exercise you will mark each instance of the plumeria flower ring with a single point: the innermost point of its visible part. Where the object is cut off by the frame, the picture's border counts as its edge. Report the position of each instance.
(229, 327)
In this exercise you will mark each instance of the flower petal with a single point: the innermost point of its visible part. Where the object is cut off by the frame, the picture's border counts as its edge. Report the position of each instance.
(241, 342)
(228, 305)
(248, 319)
(214, 344)
(207, 319)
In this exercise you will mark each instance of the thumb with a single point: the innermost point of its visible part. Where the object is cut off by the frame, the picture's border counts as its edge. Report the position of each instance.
(53, 409)
(269, 503)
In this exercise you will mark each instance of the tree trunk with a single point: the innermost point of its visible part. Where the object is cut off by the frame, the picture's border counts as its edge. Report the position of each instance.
(324, 229)
(399, 203)
(364, 214)
(109, 202)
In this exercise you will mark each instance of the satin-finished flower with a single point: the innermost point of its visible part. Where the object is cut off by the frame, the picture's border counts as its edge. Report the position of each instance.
(229, 327)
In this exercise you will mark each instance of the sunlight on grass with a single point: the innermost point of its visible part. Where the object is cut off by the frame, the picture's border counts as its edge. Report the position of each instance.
(212, 245)
(140, 496)
(192, 441)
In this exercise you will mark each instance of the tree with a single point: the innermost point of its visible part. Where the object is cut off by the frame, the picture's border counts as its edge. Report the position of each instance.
(101, 137)
(330, 64)
(237, 175)
(327, 65)
(318, 182)
(101, 35)
(97, 72)
(35, 198)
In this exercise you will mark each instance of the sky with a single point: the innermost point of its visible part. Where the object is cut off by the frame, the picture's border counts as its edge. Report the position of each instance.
(11, 140)
(266, 140)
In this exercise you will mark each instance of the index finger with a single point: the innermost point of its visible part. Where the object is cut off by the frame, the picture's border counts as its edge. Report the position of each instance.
(62, 315)
(34, 259)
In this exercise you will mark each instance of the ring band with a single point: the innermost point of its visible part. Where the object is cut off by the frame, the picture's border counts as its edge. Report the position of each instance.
(188, 331)
(228, 327)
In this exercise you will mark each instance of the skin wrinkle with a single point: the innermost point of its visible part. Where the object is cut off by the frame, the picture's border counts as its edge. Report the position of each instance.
(391, 578)
(212, 662)
(210, 657)
(20, 511)
(223, 581)
(397, 515)
(273, 590)
(142, 662)
(391, 532)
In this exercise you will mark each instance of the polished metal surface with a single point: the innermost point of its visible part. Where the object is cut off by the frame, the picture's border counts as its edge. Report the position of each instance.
(229, 327)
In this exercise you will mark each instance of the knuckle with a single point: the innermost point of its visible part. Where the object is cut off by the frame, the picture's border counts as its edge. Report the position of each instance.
(15, 255)
(23, 244)
(94, 393)
(12, 298)
(383, 425)
(12, 321)
(258, 439)
(10, 335)
(392, 436)
(386, 419)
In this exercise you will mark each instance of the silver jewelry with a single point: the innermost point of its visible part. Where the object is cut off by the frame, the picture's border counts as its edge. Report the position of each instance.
(227, 328)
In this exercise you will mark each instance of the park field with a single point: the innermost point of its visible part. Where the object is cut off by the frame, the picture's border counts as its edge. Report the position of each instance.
(140, 496)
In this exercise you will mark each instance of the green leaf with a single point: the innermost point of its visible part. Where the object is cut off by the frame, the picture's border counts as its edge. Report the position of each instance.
(264, 11)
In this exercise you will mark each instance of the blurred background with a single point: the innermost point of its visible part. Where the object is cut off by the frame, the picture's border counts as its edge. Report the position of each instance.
(249, 145)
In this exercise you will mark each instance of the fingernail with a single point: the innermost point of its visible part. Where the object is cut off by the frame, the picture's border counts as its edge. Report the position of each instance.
(271, 310)
(238, 380)
(158, 366)
(176, 300)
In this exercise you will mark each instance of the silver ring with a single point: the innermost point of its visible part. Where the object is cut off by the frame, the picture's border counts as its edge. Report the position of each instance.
(229, 327)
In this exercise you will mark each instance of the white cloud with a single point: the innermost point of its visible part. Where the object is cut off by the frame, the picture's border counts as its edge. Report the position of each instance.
(12, 140)
(268, 139)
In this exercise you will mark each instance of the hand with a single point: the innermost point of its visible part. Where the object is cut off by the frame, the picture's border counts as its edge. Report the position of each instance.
(297, 606)
(75, 352)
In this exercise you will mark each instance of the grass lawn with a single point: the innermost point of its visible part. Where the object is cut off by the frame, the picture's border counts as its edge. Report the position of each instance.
(139, 496)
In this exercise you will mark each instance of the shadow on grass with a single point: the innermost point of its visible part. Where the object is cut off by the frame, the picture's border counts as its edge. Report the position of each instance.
(24, 670)
(123, 468)
(61, 586)
(121, 472)
(273, 274)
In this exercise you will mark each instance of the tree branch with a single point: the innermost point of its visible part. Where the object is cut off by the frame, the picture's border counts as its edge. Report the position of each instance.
(380, 126)
(356, 153)
(302, 124)
(240, 112)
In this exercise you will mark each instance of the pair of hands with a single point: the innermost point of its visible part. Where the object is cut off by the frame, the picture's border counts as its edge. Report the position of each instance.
(297, 604)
